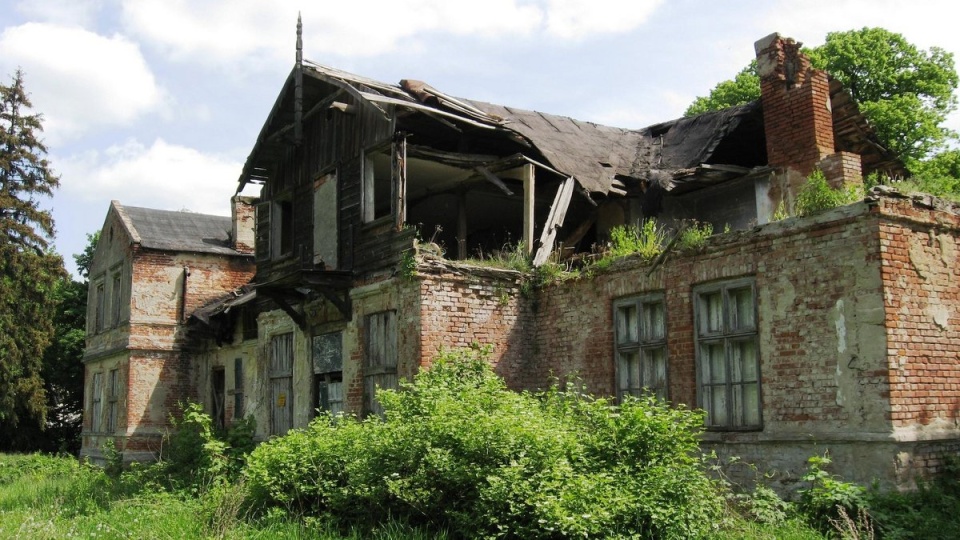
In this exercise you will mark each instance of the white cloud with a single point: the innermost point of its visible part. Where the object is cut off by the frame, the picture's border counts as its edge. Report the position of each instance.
(80, 80)
(251, 30)
(69, 12)
(162, 175)
(578, 19)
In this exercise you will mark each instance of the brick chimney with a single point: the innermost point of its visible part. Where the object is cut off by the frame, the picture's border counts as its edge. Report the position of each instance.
(797, 119)
(242, 210)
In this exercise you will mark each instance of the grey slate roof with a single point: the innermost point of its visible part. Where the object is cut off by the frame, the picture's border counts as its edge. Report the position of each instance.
(180, 231)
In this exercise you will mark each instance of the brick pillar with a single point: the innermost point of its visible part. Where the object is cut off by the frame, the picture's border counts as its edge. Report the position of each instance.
(242, 210)
(796, 106)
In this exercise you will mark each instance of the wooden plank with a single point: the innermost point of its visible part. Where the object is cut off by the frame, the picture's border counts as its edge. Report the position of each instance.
(493, 179)
(529, 198)
(558, 212)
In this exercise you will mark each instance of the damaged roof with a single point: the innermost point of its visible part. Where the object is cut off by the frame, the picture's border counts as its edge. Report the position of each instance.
(599, 157)
(177, 231)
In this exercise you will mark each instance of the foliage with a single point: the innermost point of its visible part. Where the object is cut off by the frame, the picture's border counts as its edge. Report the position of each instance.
(816, 195)
(905, 92)
(930, 512)
(195, 456)
(459, 452)
(29, 270)
(645, 240)
(695, 235)
(939, 175)
(744, 88)
(826, 494)
(510, 256)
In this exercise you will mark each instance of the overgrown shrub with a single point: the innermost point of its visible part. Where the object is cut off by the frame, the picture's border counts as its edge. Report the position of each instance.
(195, 455)
(646, 239)
(457, 451)
(826, 495)
(817, 195)
(695, 235)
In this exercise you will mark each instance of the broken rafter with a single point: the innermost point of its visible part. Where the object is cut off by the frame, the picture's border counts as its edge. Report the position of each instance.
(493, 179)
(558, 211)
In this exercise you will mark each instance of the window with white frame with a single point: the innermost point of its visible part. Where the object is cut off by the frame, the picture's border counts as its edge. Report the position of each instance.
(641, 345)
(728, 360)
(99, 307)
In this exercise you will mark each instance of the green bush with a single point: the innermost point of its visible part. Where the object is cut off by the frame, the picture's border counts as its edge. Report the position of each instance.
(822, 501)
(817, 195)
(457, 451)
(695, 235)
(646, 240)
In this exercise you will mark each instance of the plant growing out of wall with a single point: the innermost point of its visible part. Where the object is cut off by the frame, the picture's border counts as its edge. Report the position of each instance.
(817, 195)
(695, 235)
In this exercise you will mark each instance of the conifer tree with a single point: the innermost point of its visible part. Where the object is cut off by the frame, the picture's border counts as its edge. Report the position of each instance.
(29, 269)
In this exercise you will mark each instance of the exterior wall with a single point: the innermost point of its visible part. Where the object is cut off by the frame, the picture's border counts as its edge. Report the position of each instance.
(822, 342)
(145, 337)
(462, 305)
(921, 274)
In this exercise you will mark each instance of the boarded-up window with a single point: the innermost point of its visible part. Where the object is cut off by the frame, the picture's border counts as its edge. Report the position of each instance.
(728, 360)
(281, 383)
(237, 388)
(96, 401)
(263, 249)
(218, 384)
(113, 398)
(116, 299)
(325, 222)
(98, 316)
(328, 372)
(641, 345)
(380, 365)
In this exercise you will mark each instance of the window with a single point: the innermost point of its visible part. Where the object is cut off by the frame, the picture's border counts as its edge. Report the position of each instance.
(237, 388)
(99, 308)
(281, 383)
(325, 221)
(112, 399)
(218, 387)
(641, 342)
(116, 296)
(380, 366)
(282, 228)
(728, 363)
(96, 396)
(328, 372)
(377, 184)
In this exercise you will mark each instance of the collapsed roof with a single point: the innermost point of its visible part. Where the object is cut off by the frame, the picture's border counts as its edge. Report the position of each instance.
(680, 154)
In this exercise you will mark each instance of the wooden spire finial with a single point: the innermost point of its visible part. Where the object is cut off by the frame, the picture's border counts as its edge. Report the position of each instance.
(298, 86)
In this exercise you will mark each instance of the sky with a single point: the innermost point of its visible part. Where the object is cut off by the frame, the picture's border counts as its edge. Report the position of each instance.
(157, 103)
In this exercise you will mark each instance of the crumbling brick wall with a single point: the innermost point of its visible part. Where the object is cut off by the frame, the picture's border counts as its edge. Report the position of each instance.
(919, 244)
(461, 305)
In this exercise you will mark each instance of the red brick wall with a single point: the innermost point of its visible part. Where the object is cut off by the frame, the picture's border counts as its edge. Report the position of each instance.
(460, 306)
(921, 278)
(812, 277)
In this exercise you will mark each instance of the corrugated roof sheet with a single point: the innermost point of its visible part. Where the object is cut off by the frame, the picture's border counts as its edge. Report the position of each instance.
(181, 231)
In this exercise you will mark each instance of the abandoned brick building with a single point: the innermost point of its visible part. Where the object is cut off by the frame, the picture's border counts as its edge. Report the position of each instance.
(833, 332)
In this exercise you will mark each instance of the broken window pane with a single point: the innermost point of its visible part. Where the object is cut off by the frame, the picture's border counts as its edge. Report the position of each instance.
(641, 346)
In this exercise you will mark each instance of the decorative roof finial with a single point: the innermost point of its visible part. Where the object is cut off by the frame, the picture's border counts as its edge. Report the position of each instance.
(298, 87)
(299, 39)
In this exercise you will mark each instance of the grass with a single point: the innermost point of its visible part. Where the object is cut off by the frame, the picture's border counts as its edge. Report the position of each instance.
(45, 497)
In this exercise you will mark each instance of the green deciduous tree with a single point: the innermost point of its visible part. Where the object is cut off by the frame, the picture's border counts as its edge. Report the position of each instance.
(29, 269)
(906, 93)
(744, 88)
